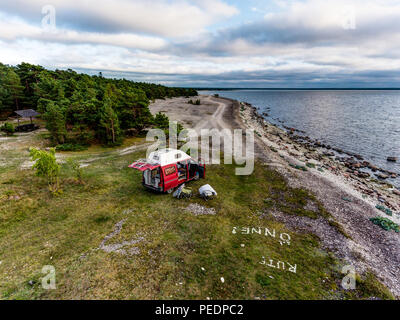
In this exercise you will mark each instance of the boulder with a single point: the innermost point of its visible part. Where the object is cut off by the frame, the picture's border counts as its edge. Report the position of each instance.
(392, 159)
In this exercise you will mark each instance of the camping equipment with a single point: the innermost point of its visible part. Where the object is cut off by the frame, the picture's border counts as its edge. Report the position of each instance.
(166, 169)
(207, 192)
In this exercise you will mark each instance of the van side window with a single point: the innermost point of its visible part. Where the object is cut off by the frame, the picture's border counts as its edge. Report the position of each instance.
(170, 170)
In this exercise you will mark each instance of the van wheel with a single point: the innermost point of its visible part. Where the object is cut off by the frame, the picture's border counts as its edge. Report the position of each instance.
(197, 176)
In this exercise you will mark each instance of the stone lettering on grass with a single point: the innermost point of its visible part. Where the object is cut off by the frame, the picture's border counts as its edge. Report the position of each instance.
(282, 238)
(279, 265)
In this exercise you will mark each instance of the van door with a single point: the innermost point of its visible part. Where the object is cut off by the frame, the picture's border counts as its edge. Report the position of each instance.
(182, 171)
(170, 174)
(193, 168)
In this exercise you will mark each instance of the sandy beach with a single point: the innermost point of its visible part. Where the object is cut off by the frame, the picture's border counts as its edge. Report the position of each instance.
(350, 199)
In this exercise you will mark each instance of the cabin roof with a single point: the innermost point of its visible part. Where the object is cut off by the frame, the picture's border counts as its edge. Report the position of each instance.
(27, 113)
(167, 156)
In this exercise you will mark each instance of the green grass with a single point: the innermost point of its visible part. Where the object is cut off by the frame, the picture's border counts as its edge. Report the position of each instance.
(182, 256)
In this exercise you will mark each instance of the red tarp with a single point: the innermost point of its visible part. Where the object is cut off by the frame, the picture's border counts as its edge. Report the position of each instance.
(142, 166)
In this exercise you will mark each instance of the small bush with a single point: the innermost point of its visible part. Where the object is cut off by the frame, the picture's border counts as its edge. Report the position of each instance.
(385, 224)
(70, 147)
(197, 102)
(77, 169)
(46, 166)
(8, 128)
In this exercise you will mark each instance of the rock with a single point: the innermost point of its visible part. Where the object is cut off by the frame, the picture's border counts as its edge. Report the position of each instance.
(197, 209)
(382, 176)
(392, 159)
(397, 192)
(373, 168)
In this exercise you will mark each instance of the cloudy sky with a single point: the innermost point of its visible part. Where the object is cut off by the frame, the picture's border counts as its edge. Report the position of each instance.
(210, 43)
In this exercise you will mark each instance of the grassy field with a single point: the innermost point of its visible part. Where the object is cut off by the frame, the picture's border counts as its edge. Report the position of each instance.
(162, 250)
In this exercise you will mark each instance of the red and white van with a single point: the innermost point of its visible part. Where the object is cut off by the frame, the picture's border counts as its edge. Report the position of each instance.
(168, 168)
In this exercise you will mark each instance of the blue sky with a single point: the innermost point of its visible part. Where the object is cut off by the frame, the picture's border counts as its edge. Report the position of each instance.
(211, 43)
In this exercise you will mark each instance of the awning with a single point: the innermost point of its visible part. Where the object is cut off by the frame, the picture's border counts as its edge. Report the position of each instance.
(28, 113)
(142, 166)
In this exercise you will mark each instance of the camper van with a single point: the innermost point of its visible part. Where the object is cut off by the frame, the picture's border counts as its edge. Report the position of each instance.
(166, 169)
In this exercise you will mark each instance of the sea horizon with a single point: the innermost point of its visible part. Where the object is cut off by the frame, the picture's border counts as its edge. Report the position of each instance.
(294, 89)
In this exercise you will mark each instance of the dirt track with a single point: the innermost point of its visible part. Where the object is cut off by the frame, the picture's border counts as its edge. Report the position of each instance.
(212, 113)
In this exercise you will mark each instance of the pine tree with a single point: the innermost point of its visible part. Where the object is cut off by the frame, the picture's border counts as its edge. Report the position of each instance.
(55, 122)
(109, 122)
(15, 89)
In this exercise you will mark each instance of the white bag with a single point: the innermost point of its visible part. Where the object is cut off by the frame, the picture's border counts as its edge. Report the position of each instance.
(207, 191)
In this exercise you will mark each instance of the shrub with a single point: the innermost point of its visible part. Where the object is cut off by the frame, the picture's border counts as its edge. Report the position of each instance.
(46, 166)
(70, 147)
(77, 169)
(197, 102)
(161, 121)
(385, 224)
(8, 128)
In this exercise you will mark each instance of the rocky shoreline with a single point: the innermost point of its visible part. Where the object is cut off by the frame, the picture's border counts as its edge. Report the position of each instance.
(363, 176)
(355, 200)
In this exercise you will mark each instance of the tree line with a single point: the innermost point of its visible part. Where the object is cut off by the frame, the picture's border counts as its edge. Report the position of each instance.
(79, 108)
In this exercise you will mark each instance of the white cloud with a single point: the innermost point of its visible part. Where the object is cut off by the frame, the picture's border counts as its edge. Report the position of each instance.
(15, 28)
(171, 37)
(161, 17)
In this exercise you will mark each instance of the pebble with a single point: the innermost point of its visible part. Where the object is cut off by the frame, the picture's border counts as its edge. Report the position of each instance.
(222, 279)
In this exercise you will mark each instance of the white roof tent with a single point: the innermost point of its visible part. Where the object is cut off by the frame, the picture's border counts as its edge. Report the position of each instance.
(167, 156)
